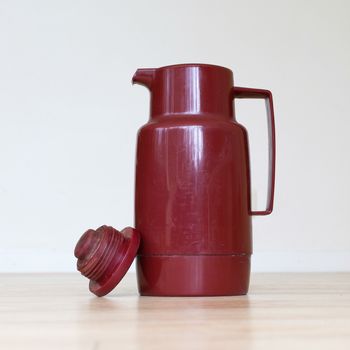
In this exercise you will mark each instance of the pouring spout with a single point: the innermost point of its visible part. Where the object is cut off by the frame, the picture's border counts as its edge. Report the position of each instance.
(144, 76)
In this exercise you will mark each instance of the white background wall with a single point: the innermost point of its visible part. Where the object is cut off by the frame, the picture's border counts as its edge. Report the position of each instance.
(69, 116)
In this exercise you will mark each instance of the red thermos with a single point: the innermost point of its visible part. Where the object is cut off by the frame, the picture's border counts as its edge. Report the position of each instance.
(192, 199)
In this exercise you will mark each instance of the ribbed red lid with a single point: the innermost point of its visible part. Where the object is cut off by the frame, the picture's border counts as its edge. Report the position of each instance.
(105, 255)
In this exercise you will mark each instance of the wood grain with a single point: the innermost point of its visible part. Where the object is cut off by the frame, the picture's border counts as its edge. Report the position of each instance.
(282, 311)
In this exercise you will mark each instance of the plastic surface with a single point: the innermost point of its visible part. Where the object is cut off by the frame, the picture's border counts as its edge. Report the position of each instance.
(105, 255)
(239, 92)
(192, 197)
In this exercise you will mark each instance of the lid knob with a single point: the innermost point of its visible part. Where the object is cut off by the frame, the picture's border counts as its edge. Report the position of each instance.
(85, 244)
(105, 255)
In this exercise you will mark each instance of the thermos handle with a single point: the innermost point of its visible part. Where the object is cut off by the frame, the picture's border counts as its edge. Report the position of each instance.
(241, 92)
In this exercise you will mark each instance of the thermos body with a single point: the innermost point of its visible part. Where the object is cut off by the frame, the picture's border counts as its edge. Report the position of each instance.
(192, 194)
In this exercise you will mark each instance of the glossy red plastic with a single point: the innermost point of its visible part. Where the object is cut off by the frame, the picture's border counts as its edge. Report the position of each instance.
(192, 197)
(105, 255)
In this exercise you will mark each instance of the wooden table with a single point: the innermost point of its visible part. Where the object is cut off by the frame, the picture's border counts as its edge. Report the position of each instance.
(282, 311)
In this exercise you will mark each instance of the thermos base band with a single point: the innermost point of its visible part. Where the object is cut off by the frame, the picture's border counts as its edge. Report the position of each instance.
(193, 275)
